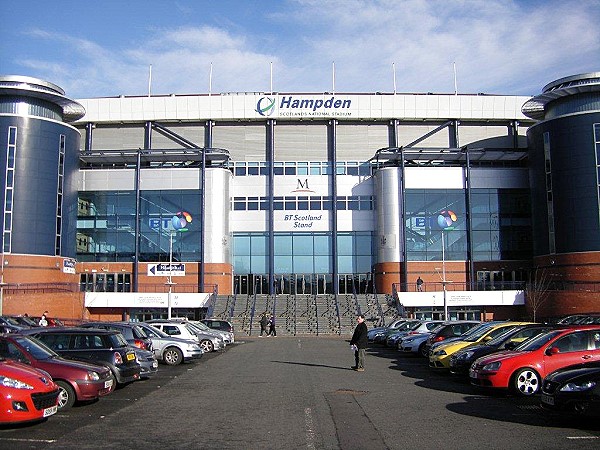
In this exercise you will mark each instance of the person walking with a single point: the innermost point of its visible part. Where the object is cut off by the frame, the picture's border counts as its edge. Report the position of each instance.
(272, 331)
(359, 343)
(43, 320)
(419, 284)
(264, 322)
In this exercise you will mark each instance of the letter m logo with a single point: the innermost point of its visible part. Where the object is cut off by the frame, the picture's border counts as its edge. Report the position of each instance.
(302, 186)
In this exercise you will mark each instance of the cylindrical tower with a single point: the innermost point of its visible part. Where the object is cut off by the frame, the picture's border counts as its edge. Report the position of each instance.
(39, 167)
(564, 153)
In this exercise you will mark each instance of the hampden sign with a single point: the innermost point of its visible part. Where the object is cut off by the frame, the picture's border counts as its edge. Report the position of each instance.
(304, 106)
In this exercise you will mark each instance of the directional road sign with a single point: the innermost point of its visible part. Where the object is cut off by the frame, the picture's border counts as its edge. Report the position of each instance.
(166, 269)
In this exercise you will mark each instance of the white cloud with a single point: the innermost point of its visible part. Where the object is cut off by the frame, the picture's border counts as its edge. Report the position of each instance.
(507, 47)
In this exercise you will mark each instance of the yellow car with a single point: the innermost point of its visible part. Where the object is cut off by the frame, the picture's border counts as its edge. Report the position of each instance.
(439, 355)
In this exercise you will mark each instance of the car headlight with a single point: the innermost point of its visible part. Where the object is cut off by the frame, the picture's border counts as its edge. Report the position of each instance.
(440, 353)
(492, 366)
(466, 355)
(93, 376)
(578, 387)
(408, 341)
(13, 383)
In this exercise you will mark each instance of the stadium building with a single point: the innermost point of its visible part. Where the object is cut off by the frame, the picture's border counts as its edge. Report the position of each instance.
(143, 206)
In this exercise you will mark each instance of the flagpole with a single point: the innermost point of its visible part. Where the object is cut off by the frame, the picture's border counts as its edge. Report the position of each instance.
(271, 76)
(455, 83)
(394, 72)
(333, 77)
(150, 81)
(210, 80)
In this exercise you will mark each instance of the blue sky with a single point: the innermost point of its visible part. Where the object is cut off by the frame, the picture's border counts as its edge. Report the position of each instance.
(105, 47)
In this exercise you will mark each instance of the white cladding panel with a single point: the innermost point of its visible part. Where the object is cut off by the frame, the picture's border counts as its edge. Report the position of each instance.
(408, 133)
(388, 233)
(106, 180)
(300, 142)
(217, 239)
(302, 106)
(506, 178)
(359, 142)
(245, 142)
(434, 178)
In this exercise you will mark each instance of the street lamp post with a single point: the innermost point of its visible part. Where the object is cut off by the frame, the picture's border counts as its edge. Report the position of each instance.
(170, 277)
(444, 276)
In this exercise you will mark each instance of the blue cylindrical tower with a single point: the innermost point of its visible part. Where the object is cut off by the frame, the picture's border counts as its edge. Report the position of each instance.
(39, 159)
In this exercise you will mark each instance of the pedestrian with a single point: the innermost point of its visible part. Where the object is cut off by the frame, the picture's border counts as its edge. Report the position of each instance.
(264, 322)
(419, 284)
(43, 320)
(358, 343)
(272, 331)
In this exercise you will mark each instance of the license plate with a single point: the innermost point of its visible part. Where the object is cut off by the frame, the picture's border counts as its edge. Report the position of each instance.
(130, 356)
(108, 383)
(547, 399)
(50, 411)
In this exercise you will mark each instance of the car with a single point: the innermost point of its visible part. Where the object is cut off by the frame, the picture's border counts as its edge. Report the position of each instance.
(26, 394)
(422, 326)
(76, 380)
(380, 337)
(25, 321)
(227, 337)
(573, 390)
(394, 324)
(169, 349)
(183, 329)
(12, 323)
(439, 357)
(218, 324)
(133, 333)
(451, 330)
(416, 343)
(461, 361)
(105, 347)
(522, 369)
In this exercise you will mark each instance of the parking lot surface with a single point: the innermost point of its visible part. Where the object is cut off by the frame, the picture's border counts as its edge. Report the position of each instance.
(300, 393)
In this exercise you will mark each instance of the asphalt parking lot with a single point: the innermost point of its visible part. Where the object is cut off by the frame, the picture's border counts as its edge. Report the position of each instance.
(296, 392)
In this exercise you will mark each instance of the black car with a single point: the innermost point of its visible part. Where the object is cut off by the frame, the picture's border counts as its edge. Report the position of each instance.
(133, 333)
(573, 389)
(449, 330)
(105, 347)
(461, 361)
(218, 324)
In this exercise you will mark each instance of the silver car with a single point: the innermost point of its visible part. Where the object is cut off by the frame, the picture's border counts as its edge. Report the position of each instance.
(172, 350)
(183, 329)
(226, 335)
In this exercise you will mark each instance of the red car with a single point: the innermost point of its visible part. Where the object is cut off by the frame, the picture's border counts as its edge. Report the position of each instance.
(77, 380)
(26, 394)
(523, 368)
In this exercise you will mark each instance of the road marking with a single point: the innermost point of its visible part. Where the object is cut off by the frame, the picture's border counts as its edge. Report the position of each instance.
(582, 437)
(310, 432)
(45, 441)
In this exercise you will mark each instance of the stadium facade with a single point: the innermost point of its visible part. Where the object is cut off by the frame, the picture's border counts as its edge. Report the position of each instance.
(132, 205)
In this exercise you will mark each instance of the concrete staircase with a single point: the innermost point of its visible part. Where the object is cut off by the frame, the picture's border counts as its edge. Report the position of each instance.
(303, 314)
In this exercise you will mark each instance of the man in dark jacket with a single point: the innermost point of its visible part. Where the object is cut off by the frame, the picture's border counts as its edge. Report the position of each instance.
(359, 343)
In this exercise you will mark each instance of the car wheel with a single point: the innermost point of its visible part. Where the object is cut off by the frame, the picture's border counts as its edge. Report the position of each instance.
(423, 350)
(526, 382)
(172, 356)
(66, 395)
(207, 345)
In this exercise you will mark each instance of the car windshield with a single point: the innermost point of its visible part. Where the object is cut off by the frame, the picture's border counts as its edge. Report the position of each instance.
(192, 329)
(154, 332)
(202, 326)
(475, 330)
(11, 321)
(538, 341)
(501, 337)
(36, 348)
(139, 332)
(472, 337)
(117, 340)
